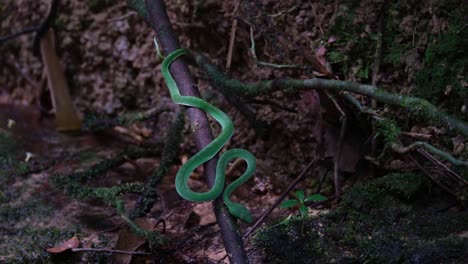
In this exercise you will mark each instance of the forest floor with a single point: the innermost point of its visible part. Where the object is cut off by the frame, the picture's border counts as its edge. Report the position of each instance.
(391, 211)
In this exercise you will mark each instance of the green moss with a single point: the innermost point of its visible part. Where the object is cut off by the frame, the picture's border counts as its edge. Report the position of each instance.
(10, 165)
(302, 243)
(402, 185)
(395, 53)
(29, 245)
(9, 215)
(389, 130)
(383, 221)
(7, 148)
(336, 57)
(444, 61)
(354, 46)
(445, 250)
(75, 186)
(423, 110)
(396, 43)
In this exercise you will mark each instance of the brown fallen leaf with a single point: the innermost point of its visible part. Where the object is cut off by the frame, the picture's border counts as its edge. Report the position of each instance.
(69, 244)
(129, 241)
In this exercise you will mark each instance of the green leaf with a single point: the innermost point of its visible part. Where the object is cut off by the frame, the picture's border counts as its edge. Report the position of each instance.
(304, 210)
(289, 203)
(315, 198)
(300, 195)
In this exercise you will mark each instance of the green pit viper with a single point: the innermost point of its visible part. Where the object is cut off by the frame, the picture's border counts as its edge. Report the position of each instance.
(236, 209)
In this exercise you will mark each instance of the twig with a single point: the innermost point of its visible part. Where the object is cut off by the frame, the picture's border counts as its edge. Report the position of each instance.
(44, 27)
(416, 135)
(351, 99)
(129, 14)
(420, 144)
(375, 74)
(281, 198)
(339, 147)
(261, 128)
(442, 165)
(293, 8)
(434, 178)
(157, 17)
(112, 251)
(19, 33)
(234, 166)
(232, 37)
(267, 64)
(98, 123)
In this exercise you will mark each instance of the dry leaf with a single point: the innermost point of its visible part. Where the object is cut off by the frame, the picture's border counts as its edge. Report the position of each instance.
(129, 241)
(69, 244)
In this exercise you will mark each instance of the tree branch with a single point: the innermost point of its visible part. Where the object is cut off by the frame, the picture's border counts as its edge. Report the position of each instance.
(17, 34)
(417, 107)
(167, 39)
(428, 147)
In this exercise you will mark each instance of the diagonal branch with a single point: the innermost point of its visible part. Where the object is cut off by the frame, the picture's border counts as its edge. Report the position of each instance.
(167, 39)
(419, 108)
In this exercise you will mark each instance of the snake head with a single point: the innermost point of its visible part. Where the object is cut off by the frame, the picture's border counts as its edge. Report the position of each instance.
(241, 212)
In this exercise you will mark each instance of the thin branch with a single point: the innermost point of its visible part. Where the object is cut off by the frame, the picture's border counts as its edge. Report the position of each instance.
(125, 16)
(428, 147)
(375, 74)
(352, 100)
(339, 147)
(261, 128)
(449, 186)
(112, 251)
(44, 27)
(437, 162)
(267, 64)
(98, 123)
(19, 33)
(281, 198)
(232, 36)
(416, 135)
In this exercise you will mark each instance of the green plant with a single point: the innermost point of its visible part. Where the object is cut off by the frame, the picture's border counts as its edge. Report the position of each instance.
(301, 200)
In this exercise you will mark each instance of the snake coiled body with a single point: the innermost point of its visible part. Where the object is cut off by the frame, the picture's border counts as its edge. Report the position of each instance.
(236, 209)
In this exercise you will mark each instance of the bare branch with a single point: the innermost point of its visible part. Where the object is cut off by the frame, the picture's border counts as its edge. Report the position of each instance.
(157, 17)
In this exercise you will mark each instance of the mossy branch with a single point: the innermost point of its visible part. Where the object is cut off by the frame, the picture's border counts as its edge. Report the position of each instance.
(112, 197)
(417, 107)
(95, 122)
(168, 157)
(72, 183)
(73, 186)
(420, 144)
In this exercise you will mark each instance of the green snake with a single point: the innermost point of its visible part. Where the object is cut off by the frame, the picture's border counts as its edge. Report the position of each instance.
(236, 209)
